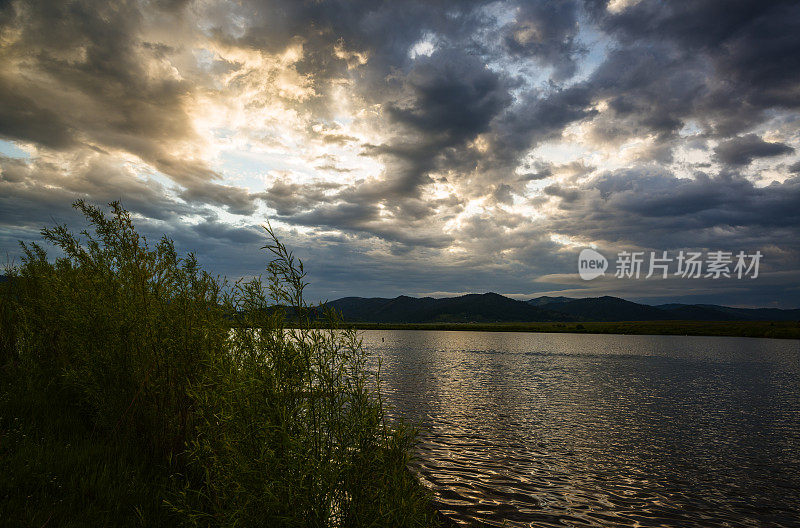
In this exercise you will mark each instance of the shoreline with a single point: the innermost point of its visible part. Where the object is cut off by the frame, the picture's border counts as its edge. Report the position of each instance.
(758, 329)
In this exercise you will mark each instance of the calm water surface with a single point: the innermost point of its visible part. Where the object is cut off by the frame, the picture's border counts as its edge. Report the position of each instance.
(534, 429)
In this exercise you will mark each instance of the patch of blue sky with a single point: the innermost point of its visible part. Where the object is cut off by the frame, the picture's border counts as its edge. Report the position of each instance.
(11, 150)
(596, 43)
(251, 169)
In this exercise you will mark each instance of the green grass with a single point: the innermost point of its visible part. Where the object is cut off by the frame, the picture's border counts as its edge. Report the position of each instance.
(777, 329)
(138, 390)
(56, 471)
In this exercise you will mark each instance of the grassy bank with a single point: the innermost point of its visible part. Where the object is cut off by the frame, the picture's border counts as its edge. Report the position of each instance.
(134, 392)
(777, 329)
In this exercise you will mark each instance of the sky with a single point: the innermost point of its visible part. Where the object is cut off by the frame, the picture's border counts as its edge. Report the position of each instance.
(418, 148)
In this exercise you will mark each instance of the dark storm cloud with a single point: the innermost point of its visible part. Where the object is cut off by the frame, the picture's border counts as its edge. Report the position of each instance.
(744, 149)
(542, 171)
(34, 191)
(235, 199)
(38, 193)
(363, 219)
(650, 89)
(23, 119)
(288, 198)
(503, 194)
(211, 228)
(340, 34)
(349, 210)
(386, 30)
(547, 31)
(454, 97)
(93, 49)
(706, 201)
(446, 101)
(738, 35)
(566, 195)
(540, 115)
(721, 61)
(649, 208)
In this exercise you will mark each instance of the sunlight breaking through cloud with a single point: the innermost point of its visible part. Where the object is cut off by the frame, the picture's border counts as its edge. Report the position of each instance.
(485, 142)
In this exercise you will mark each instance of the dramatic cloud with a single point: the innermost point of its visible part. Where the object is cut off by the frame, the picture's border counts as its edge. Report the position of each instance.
(415, 147)
(742, 150)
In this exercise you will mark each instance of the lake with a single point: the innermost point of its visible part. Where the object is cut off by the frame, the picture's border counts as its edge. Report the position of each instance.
(538, 429)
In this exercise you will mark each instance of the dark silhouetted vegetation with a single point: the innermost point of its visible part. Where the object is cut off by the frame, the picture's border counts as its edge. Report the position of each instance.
(772, 329)
(481, 308)
(493, 308)
(490, 311)
(138, 390)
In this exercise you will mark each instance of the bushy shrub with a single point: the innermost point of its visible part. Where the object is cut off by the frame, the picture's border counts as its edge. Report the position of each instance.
(261, 410)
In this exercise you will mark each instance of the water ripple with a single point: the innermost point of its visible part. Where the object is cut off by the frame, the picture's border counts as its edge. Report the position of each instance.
(545, 430)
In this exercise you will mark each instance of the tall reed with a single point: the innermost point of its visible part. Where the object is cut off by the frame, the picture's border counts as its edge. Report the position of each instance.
(257, 408)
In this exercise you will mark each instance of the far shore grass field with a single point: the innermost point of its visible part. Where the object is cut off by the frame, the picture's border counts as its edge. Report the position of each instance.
(770, 329)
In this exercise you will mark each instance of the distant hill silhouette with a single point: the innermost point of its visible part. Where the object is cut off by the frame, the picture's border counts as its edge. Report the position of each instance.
(479, 308)
(541, 301)
(492, 307)
(606, 309)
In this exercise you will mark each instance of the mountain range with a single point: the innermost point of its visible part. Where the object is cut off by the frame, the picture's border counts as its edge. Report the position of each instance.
(492, 307)
(496, 308)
